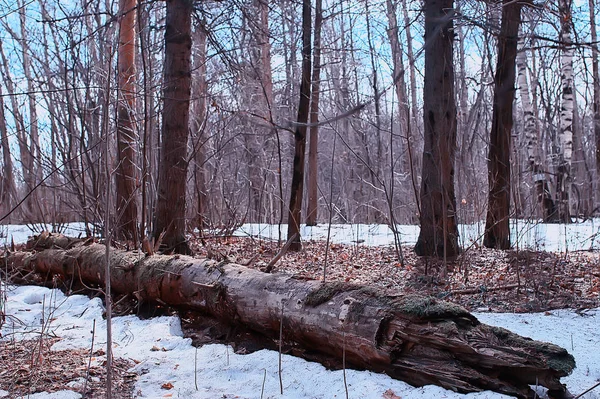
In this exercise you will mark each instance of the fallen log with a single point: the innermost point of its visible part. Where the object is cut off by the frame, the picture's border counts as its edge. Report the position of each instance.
(416, 339)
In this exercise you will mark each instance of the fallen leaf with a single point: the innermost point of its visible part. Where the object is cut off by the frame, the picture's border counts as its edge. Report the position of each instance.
(167, 385)
(389, 394)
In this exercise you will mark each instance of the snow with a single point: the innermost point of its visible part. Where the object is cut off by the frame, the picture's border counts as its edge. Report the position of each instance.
(524, 234)
(220, 373)
(215, 371)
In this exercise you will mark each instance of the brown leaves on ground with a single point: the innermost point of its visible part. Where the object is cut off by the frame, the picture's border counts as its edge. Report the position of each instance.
(30, 366)
(479, 279)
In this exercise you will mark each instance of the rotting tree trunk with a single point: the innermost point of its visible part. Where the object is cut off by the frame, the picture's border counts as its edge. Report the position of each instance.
(497, 226)
(439, 230)
(170, 204)
(416, 339)
(300, 134)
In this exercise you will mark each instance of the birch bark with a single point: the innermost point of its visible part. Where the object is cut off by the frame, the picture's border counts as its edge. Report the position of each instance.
(565, 133)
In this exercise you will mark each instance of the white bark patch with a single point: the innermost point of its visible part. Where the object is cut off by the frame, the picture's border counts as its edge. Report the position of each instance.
(565, 134)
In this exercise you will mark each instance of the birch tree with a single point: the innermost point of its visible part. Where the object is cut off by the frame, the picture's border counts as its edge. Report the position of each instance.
(565, 133)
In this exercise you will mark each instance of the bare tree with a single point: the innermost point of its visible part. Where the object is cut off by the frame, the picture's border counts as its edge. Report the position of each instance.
(313, 148)
(8, 189)
(565, 133)
(300, 133)
(497, 227)
(171, 204)
(439, 232)
(531, 133)
(596, 82)
(126, 176)
(198, 123)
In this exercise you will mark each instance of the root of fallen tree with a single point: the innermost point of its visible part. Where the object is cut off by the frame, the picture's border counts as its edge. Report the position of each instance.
(416, 339)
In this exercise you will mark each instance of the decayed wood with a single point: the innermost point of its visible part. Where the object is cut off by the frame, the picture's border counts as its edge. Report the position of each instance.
(416, 339)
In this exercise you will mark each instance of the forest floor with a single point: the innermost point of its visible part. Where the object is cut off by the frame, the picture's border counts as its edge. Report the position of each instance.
(480, 279)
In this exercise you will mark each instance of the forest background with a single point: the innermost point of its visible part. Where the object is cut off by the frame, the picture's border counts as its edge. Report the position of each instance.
(159, 117)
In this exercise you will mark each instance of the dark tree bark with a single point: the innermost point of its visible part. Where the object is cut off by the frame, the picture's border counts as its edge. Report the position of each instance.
(126, 177)
(170, 204)
(497, 228)
(596, 78)
(313, 148)
(416, 339)
(300, 133)
(439, 232)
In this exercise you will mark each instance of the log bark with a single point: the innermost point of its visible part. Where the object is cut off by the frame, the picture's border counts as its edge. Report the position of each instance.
(416, 339)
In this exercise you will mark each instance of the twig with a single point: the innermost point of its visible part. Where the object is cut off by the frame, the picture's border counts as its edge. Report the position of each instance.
(477, 290)
(87, 371)
(344, 362)
(196, 369)
(280, 344)
(281, 252)
(262, 391)
(587, 390)
(204, 285)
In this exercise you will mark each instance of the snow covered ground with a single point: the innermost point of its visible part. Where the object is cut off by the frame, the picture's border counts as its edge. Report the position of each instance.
(524, 234)
(214, 371)
(220, 373)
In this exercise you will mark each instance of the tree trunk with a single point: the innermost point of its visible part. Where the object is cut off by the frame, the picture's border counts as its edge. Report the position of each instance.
(398, 68)
(416, 339)
(34, 137)
(8, 188)
(313, 148)
(565, 134)
(439, 231)
(596, 82)
(300, 134)
(25, 153)
(531, 131)
(126, 176)
(170, 204)
(497, 227)
(199, 140)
